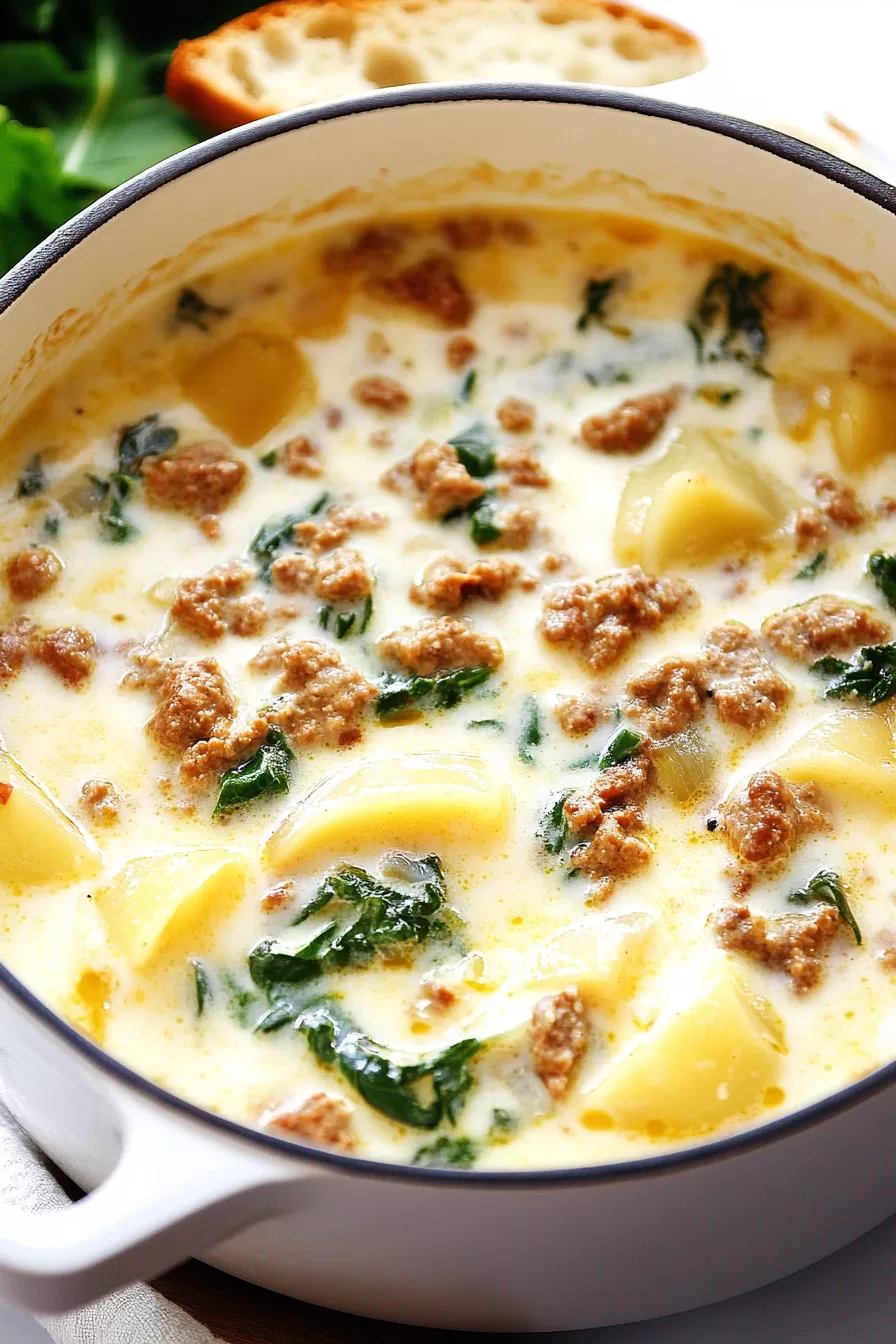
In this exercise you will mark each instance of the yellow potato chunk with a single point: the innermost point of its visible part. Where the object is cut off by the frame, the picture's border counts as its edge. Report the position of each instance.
(159, 898)
(416, 800)
(602, 957)
(707, 1059)
(699, 499)
(39, 842)
(248, 384)
(850, 753)
(863, 422)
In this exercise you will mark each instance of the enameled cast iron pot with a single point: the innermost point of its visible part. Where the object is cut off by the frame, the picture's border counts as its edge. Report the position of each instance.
(465, 1250)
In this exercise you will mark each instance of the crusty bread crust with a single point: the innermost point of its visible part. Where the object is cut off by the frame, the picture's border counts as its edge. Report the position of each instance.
(198, 79)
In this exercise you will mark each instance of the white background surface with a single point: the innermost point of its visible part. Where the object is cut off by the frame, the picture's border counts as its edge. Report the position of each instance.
(790, 60)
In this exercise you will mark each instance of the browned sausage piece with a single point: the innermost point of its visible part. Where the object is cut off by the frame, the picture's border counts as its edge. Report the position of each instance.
(631, 425)
(467, 232)
(559, 1038)
(434, 286)
(765, 820)
(69, 652)
(459, 351)
(668, 697)
(516, 416)
(31, 572)
(578, 715)
(523, 467)
(320, 1119)
(839, 501)
(381, 394)
(792, 943)
(195, 704)
(15, 642)
(439, 644)
(203, 605)
(746, 690)
(599, 619)
(826, 624)
(204, 478)
(301, 457)
(336, 526)
(323, 700)
(101, 801)
(448, 582)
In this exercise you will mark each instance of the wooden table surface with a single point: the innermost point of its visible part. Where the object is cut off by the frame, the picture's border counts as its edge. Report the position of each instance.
(240, 1313)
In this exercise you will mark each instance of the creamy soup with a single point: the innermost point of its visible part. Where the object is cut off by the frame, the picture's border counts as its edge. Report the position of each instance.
(446, 692)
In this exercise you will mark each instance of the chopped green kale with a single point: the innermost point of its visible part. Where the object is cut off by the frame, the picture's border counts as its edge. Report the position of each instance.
(594, 301)
(869, 675)
(531, 731)
(813, 567)
(202, 983)
(475, 448)
(446, 1151)
(729, 319)
(193, 310)
(553, 829)
(265, 775)
(882, 568)
(442, 691)
(826, 887)
(273, 536)
(33, 480)
(147, 438)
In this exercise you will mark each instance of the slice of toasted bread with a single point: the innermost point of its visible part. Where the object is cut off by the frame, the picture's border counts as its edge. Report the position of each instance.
(296, 52)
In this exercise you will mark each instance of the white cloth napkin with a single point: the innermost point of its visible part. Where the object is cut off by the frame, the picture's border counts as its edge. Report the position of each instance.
(134, 1315)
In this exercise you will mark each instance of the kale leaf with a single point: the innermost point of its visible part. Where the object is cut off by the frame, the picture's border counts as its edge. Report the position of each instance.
(826, 887)
(386, 916)
(622, 746)
(115, 490)
(203, 984)
(273, 536)
(147, 438)
(193, 310)
(553, 829)
(729, 319)
(387, 1086)
(882, 568)
(475, 448)
(33, 480)
(264, 775)
(443, 691)
(530, 732)
(813, 566)
(594, 301)
(869, 675)
(447, 1151)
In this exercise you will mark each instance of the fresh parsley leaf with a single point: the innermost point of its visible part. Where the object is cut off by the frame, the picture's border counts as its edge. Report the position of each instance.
(530, 732)
(813, 566)
(446, 1151)
(594, 301)
(193, 310)
(475, 448)
(265, 775)
(271, 537)
(202, 983)
(147, 438)
(386, 1085)
(882, 568)
(553, 829)
(33, 480)
(826, 886)
(869, 675)
(443, 691)
(729, 319)
(468, 387)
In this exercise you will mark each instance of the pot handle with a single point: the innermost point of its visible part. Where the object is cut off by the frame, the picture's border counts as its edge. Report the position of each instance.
(178, 1187)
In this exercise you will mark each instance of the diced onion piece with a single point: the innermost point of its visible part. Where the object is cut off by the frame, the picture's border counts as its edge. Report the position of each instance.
(158, 898)
(39, 841)
(708, 1058)
(684, 765)
(419, 800)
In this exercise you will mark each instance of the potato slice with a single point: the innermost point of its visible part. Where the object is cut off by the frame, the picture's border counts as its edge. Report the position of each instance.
(158, 898)
(416, 800)
(248, 384)
(850, 753)
(863, 422)
(602, 957)
(697, 500)
(39, 842)
(708, 1058)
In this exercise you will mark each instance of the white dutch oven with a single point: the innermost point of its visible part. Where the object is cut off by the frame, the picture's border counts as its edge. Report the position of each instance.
(522, 1251)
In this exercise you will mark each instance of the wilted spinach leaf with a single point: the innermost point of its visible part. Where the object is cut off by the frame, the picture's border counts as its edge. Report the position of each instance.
(594, 301)
(442, 691)
(475, 448)
(882, 568)
(273, 536)
(147, 438)
(530, 732)
(193, 310)
(553, 829)
(203, 985)
(33, 480)
(813, 566)
(446, 1151)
